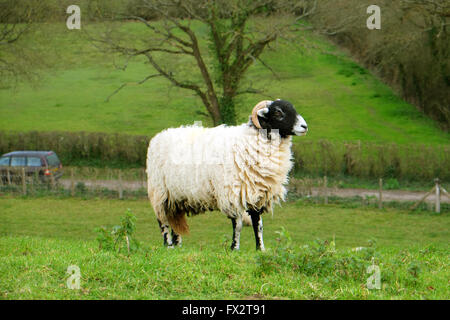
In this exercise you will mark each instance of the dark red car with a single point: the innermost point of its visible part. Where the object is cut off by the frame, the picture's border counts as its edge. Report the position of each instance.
(43, 164)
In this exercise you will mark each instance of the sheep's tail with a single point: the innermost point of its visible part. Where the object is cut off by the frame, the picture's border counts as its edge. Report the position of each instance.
(178, 222)
(246, 219)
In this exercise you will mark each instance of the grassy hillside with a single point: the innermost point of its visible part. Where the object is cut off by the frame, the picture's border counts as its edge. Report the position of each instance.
(339, 99)
(40, 238)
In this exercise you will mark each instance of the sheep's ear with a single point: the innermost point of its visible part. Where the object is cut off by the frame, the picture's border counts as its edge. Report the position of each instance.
(262, 112)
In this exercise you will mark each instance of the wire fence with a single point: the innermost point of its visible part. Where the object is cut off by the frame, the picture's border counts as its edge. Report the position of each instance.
(132, 184)
(80, 182)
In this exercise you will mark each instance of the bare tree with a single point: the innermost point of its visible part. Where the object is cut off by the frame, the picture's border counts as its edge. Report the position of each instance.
(410, 52)
(236, 38)
(16, 20)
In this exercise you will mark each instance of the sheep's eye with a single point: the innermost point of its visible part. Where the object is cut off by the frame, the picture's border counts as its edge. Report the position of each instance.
(277, 114)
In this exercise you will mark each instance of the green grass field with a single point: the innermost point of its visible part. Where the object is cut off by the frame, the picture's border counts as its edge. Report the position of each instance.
(339, 99)
(40, 238)
(312, 259)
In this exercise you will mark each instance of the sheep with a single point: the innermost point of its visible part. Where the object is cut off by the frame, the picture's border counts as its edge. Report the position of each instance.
(239, 170)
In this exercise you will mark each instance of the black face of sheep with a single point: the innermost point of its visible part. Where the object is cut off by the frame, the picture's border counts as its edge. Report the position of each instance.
(281, 115)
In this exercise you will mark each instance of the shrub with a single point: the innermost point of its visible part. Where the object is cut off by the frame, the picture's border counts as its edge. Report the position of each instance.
(391, 184)
(319, 259)
(372, 160)
(120, 236)
(315, 158)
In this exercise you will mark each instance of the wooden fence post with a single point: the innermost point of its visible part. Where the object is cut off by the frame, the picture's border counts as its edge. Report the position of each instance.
(8, 176)
(144, 179)
(422, 199)
(37, 181)
(325, 186)
(52, 181)
(24, 182)
(438, 196)
(380, 196)
(444, 191)
(31, 187)
(72, 183)
(120, 185)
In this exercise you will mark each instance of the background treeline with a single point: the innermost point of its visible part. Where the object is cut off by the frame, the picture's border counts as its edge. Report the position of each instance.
(101, 10)
(411, 52)
(315, 158)
(24, 11)
(82, 148)
(372, 160)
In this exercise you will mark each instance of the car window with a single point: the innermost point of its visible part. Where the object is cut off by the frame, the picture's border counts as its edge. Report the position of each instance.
(34, 162)
(18, 161)
(4, 161)
(53, 160)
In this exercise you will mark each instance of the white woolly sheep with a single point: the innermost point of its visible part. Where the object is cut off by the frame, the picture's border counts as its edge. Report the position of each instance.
(235, 169)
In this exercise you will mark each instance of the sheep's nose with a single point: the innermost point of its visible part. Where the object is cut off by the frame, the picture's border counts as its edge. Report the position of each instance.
(300, 127)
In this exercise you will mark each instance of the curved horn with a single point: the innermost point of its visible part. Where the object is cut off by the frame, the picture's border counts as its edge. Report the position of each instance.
(255, 110)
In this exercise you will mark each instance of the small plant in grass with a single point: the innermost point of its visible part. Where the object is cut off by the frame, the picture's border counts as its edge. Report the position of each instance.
(275, 260)
(104, 238)
(81, 187)
(226, 240)
(284, 239)
(321, 258)
(120, 236)
(414, 269)
(284, 250)
(370, 199)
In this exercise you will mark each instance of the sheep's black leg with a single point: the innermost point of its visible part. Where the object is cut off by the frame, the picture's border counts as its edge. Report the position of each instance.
(257, 228)
(237, 227)
(165, 233)
(176, 239)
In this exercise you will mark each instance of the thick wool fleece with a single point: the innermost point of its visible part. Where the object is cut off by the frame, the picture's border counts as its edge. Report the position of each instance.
(193, 169)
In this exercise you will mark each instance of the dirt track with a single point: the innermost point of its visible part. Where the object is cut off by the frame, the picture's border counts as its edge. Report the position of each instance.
(388, 195)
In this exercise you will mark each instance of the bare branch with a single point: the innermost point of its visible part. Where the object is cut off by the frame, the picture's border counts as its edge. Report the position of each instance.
(307, 12)
(269, 68)
(169, 75)
(180, 84)
(128, 83)
(254, 91)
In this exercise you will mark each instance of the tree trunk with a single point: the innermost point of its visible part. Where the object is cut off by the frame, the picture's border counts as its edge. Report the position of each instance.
(227, 107)
(214, 112)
